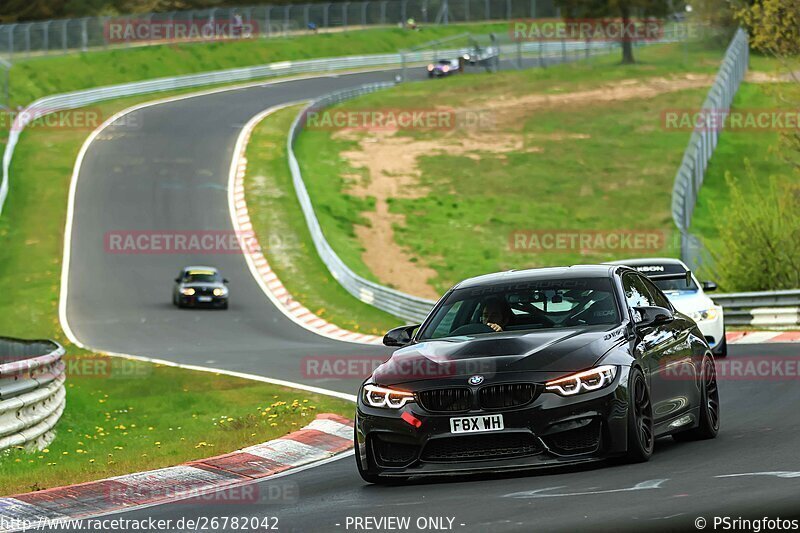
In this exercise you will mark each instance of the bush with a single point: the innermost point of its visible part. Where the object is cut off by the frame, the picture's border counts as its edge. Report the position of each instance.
(760, 235)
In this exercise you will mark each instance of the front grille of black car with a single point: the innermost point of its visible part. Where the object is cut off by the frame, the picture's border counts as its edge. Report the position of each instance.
(585, 439)
(507, 395)
(481, 447)
(203, 291)
(445, 400)
(393, 453)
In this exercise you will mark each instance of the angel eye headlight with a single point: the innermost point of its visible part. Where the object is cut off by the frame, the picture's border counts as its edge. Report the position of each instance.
(188, 292)
(375, 396)
(586, 381)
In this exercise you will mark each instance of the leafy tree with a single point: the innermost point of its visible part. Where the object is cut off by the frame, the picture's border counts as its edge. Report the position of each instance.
(761, 238)
(625, 10)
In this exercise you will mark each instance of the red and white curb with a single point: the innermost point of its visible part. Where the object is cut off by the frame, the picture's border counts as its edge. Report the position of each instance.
(761, 337)
(258, 264)
(193, 482)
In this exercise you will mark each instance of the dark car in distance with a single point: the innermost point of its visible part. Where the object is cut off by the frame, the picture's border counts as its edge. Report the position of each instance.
(536, 368)
(200, 286)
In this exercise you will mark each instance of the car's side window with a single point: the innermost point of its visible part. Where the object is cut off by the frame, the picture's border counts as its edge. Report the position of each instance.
(636, 292)
(446, 325)
(658, 296)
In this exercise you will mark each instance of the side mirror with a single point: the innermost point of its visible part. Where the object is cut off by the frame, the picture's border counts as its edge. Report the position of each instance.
(225, 280)
(177, 280)
(646, 315)
(709, 286)
(399, 336)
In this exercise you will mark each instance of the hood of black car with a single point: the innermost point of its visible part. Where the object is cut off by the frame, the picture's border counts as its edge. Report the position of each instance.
(554, 350)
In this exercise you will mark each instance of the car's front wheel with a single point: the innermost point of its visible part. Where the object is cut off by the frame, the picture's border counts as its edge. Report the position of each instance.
(708, 426)
(641, 434)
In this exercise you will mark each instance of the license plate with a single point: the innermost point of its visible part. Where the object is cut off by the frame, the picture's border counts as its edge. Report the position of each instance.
(476, 424)
(204, 298)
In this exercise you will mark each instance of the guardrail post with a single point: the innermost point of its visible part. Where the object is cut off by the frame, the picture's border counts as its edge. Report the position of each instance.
(84, 35)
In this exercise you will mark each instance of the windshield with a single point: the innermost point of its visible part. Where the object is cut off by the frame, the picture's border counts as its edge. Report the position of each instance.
(201, 277)
(675, 285)
(533, 305)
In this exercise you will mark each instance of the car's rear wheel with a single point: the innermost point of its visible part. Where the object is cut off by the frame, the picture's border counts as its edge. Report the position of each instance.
(641, 434)
(708, 426)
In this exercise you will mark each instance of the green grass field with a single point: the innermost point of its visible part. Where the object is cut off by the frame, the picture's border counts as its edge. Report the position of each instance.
(42, 76)
(582, 165)
(115, 421)
(277, 219)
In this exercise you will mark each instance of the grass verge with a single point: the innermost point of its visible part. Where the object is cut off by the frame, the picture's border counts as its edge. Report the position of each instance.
(115, 421)
(278, 221)
(589, 163)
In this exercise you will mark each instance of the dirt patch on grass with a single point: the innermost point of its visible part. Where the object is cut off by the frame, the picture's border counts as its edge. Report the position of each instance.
(390, 163)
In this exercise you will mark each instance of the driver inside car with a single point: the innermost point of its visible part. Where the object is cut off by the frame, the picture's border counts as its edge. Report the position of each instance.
(496, 314)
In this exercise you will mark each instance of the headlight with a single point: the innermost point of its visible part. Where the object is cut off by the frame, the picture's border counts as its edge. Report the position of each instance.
(445, 68)
(706, 314)
(381, 397)
(219, 291)
(187, 292)
(430, 68)
(585, 381)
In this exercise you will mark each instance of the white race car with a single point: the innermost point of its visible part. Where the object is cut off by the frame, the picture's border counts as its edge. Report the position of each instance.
(690, 299)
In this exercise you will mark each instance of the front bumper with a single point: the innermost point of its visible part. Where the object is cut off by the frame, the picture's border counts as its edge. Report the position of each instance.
(194, 301)
(549, 432)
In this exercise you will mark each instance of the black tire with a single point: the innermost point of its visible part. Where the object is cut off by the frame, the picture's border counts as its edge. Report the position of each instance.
(641, 434)
(722, 349)
(224, 306)
(708, 426)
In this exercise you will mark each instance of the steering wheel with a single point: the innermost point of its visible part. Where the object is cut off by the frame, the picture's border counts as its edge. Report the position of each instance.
(472, 329)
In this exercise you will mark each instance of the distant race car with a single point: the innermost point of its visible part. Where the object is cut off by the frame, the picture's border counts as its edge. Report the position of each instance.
(536, 368)
(689, 298)
(444, 67)
(200, 286)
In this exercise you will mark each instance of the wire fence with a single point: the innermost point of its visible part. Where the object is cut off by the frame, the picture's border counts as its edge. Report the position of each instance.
(264, 21)
(702, 143)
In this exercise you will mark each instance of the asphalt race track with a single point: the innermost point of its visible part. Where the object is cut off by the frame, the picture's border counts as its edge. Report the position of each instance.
(170, 174)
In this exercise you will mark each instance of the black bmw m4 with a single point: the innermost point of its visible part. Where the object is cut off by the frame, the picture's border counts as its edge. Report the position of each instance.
(536, 368)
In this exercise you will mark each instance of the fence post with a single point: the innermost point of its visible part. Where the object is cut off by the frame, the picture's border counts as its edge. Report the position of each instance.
(508, 9)
(267, 22)
(326, 15)
(84, 35)
(64, 36)
(46, 37)
(533, 9)
(383, 12)
(425, 11)
(487, 10)
(305, 14)
(403, 11)
(286, 11)
(28, 39)
(364, 5)
(466, 11)
(11, 40)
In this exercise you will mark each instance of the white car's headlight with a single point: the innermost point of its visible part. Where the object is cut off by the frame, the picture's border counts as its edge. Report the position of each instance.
(375, 396)
(586, 381)
(705, 314)
(187, 292)
(220, 291)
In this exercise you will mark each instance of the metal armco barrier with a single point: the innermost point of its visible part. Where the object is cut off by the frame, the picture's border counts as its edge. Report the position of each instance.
(32, 395)
(761, 309)
(702, 144)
